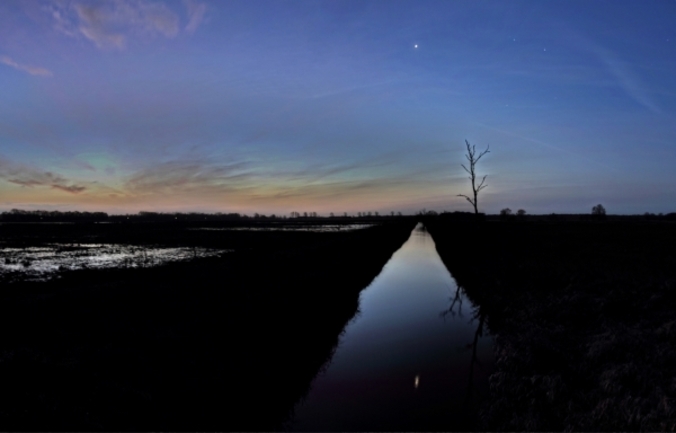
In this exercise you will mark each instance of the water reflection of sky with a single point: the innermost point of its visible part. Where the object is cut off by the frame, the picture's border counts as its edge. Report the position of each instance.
(401, 364)
(42, 263)
(294, 228)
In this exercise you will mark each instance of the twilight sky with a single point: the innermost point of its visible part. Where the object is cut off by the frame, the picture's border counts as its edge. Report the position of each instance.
(329, 106)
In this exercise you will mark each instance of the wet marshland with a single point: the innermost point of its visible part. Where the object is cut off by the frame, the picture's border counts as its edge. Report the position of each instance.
(197, 343)
(583, 318)
(580, 315)
(44, 262)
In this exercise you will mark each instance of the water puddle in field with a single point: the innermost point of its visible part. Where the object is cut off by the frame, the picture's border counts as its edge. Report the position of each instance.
(294, 228)
(44, 262)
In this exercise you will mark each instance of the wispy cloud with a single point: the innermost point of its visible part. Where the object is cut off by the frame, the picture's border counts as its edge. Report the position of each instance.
(110, 23)
(521, 137)
(33, 70)
(93, 27)
(74, 189)
(543, 144)
(186, 176)
(319, 173)
(196, 12)
(244, 183)
(628, 81)
(61, 21)
(106, 23)
(31, 177)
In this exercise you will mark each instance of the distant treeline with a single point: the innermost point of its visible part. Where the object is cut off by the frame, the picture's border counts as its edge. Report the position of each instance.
(585, 217)
(17, 215)
(193, 216)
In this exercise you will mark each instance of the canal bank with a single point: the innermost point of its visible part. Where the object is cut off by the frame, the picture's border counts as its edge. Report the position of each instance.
(582, 315)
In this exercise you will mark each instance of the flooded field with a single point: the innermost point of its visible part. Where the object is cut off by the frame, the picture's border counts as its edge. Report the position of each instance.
(37, 251)
(40, 263)
(319, 228)
(177, 346)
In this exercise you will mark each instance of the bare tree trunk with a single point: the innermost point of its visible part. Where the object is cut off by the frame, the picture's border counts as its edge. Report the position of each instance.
(473, 158)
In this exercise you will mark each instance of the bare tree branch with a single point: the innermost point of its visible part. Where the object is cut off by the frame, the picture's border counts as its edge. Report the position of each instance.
(473, 158)
(483, 153)
(481, 185)
(457, 299)
(467, 198)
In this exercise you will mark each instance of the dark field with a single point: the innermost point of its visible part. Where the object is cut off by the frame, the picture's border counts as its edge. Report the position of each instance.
(584, 316)
(228, 342)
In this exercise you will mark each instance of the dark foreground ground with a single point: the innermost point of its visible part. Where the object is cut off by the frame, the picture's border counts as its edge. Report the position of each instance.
(584, 315)
(221, 343)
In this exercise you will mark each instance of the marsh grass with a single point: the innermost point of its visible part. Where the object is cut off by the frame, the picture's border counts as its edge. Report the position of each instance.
(200, 344)
(583, 316)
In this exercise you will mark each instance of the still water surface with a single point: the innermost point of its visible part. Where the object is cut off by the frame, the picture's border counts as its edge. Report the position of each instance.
(41, 263)
(416, 356)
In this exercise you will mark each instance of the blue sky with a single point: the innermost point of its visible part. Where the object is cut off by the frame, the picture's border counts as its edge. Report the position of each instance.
(329, 106)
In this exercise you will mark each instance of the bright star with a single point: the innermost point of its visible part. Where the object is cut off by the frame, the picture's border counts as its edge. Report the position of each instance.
(415, 46)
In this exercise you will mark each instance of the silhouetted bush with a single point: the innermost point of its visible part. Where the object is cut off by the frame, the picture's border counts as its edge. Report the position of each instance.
(598, 212)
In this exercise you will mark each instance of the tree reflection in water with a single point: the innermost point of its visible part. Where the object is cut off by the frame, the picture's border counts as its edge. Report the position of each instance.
(399, 365)
(455, 309)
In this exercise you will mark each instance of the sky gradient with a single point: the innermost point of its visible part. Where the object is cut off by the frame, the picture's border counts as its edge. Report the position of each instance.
(329, 106)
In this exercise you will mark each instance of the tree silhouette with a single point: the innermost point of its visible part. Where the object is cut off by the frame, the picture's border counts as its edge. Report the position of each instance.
(506, 212)
(473, 158)
(598, 210)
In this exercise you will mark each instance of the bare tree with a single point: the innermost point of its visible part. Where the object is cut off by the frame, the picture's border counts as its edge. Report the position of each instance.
(473, 158)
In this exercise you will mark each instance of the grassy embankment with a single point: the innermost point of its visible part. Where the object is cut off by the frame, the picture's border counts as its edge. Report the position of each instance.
(584, 315)
(225, 343)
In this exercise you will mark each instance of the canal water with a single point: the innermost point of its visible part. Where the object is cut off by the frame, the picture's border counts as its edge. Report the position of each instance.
(416, 356)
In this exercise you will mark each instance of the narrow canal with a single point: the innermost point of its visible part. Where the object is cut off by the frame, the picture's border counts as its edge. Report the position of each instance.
(416, 357)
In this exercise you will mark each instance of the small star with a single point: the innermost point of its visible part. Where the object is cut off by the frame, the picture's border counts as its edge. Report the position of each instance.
(415, 46)
(545, 49)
